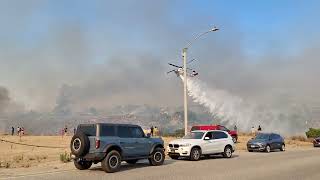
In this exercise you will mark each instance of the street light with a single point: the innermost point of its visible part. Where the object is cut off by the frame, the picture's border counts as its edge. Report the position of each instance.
(184, 55)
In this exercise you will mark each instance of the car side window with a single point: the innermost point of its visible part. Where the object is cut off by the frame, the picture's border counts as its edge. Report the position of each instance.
(209, 135)
(273, 137)
(219, 135)
(136, 132)
(124, 132)
(107, 130)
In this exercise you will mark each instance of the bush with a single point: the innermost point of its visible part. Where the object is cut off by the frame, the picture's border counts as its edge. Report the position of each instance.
(65, 157)
(313, 133)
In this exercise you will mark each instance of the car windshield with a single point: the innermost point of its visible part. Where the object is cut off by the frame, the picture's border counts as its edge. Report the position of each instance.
(262, 136)
(194, 135)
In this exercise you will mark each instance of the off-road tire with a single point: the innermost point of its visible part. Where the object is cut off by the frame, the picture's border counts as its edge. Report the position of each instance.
(134, 161)
(283, 147)
(268, 149)
(79, 144)
(111, 163)
(227, 153)
(82, 165)
(157, 157)
(195, 154)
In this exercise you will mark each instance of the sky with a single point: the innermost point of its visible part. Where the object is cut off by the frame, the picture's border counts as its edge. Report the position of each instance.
(116, 52)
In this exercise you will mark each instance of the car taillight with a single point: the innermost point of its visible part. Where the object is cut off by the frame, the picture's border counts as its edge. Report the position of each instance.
(97, 144)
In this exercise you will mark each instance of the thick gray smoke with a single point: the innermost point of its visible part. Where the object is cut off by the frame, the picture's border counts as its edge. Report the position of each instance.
(281, 116)
(108, 53)
(4, 99)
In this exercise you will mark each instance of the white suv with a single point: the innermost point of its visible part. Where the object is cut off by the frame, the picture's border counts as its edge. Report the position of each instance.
(199, 143)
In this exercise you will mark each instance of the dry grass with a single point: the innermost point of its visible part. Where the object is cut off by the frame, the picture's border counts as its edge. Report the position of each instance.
(13, 155)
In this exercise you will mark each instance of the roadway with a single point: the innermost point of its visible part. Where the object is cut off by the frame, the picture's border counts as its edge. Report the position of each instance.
(289, 165)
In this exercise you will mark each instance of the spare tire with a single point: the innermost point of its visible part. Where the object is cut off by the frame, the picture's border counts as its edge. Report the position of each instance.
(80, 144)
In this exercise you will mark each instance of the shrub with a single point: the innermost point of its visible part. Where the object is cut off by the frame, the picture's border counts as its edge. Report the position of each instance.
(65, 157)
(313, 133)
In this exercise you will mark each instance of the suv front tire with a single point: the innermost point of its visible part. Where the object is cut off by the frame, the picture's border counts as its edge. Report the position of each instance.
(157, 157)
(111, 163)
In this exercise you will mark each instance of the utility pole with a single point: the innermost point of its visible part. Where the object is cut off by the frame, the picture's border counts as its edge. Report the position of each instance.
(185, 90)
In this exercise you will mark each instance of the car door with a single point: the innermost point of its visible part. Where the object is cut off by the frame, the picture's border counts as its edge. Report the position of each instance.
(273, 141)
(143, 144)
(219, 139)
(127, 143)
(208, 144)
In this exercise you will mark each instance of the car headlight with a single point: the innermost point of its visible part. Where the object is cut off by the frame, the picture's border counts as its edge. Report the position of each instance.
(185, 145)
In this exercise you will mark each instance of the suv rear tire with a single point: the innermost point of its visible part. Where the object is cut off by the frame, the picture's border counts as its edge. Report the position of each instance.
(82, 165)
(227, 152)
(80, 144)
(195, 154)
(111, 163)
(234, 139)
(157, 157)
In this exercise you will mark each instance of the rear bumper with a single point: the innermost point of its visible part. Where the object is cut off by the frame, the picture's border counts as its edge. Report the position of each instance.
(90, 156)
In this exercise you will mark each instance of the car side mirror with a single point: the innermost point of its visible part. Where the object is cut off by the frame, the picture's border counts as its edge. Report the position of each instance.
(206, 138)
(148, 135)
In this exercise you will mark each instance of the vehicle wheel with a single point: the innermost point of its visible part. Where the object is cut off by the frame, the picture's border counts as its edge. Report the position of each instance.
(283, 147)
(111, 163)
(174, 157)
(82, 165)
(132, 161)
(195, 154)
(157, 157)
(268, 149)
(234, 139)
(80, 144)
(227, 152)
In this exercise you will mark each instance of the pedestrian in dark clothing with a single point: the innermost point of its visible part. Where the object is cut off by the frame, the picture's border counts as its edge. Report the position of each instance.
(12, 131)
(259, 128)
(235, 128)
(151, 130)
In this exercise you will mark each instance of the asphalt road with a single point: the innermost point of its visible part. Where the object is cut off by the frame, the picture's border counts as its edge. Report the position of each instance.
(291, 165)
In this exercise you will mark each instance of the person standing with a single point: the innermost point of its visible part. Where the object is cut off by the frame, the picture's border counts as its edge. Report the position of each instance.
(259, 128)
(235, 128)
(74, 130)
(12, 131)
(151, 130)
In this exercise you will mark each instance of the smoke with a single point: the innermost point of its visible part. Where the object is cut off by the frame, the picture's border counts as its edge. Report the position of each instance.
(280, 116)
(4, 99)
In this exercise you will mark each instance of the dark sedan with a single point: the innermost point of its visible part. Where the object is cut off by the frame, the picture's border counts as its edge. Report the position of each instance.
(266, 142)
(316, 142)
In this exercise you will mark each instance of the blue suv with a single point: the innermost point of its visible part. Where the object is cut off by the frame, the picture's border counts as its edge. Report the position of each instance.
(111, 144)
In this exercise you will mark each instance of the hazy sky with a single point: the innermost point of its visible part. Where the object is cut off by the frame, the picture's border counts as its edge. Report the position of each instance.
(116, 52)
